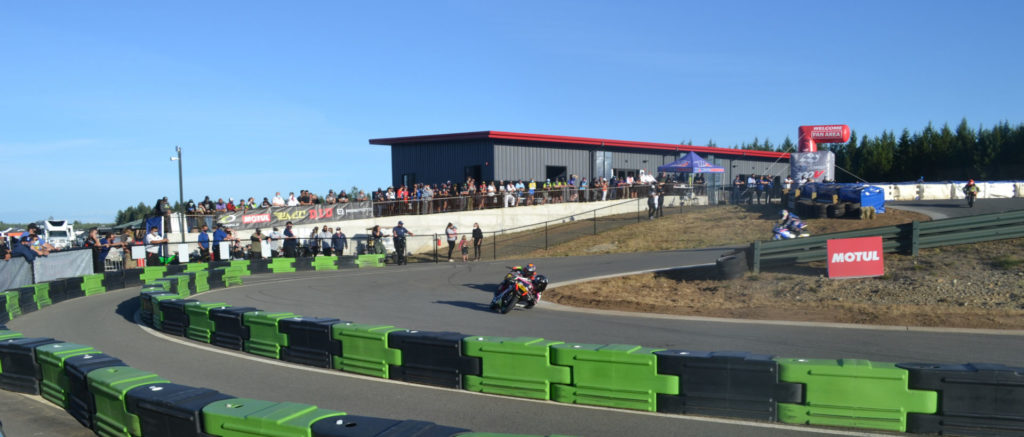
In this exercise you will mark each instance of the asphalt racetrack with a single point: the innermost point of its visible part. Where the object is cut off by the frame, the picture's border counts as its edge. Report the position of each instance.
(454, 297)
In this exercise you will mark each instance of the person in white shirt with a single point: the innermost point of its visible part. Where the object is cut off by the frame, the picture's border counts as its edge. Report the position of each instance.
(292, 201)
(275, 241)
(153, 241)
(278, 200)
(510, 199)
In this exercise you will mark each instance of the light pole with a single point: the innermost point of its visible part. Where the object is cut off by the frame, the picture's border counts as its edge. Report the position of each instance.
(181, 195)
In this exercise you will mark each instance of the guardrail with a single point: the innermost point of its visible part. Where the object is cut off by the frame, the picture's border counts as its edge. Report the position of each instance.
(906, 238)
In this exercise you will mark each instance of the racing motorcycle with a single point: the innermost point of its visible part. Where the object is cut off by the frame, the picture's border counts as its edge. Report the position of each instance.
(516, 288)
(791, 227)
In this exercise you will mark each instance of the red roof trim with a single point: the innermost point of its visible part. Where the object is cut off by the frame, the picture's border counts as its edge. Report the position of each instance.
(481, 135)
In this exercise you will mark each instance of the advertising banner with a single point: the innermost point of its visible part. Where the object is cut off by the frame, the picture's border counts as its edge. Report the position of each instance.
(810, 136)
(855, 257)
(63, 264)
(299, 215)
(816, 166)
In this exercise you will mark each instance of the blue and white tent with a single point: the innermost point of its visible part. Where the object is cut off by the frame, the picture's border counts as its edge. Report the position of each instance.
(691, 163)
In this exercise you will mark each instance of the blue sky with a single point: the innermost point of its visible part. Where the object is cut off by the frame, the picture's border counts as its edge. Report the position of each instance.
(277, 96)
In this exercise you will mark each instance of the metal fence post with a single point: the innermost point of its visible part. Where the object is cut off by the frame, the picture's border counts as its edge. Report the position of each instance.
(757, 257)
(434, 243)
(595, 222)
(915, 236)
(638, 209)
(545, 236)
(494, 245)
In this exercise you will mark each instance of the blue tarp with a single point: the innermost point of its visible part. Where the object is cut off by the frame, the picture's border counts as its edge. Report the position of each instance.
(865, 195)
(691, 163)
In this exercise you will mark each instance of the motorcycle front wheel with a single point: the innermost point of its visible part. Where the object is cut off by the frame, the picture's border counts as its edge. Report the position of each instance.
(508, 302)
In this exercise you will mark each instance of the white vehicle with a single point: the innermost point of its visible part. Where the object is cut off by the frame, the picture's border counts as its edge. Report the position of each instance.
(59, 233)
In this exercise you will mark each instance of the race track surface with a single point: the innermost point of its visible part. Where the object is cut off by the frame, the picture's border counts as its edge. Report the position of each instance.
(454, 297)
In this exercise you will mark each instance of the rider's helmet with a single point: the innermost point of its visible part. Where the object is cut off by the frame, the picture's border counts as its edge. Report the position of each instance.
(784, 214)
(530, 269)
(540, 283)
(970, 182)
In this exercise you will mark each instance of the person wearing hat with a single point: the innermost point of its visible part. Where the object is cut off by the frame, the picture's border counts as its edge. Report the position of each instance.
(291, 243)
(218, 236)
(399, 233)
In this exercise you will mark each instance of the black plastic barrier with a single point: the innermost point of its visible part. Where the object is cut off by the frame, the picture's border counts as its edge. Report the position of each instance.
(303, 264)
(216, 278)
(58, 290)
(27, 299)
(113, 280)
(231, 333)
(433, 358)
(731, 384)
(175, 319)
(309, 341)
(362, 426)
(147, 305)
(4, 317)
(171, 410)
(259, 266)
(976, 399)
(174, 269)
(81, 404)
(132, 277)
(21, 372)
(73, 287)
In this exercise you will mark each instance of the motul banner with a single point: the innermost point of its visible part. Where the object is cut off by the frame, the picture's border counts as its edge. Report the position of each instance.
(855, 257)
(267, 217)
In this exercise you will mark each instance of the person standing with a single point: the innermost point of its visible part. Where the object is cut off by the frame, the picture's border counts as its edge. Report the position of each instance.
(737, 189)
(256, 245)
(153, 241)
(93, 242)
(204, 243)
(452, 235)
(464, 248)
(652, 205)
(291, 243)
(326, 237)
(478, 240)
(339, 241)
(661, 201)
(399, 233)
(218, 236)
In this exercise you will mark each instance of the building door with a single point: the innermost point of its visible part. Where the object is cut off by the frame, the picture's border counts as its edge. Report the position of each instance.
(555, 172)
(622, 173)
(473, 171)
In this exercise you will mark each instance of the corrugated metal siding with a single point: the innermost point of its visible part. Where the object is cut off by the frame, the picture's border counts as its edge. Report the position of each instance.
(524, 161)
(747, 165)
(439, 162)
(641, 161)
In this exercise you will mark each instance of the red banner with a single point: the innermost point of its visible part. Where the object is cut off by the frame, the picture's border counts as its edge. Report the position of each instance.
(810, 136)
(855, 257)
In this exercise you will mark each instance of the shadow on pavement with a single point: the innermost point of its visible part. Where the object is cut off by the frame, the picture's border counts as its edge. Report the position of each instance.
(488, 287)
(128, 308)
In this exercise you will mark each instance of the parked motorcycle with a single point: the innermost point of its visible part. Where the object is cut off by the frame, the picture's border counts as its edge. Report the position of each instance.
(517, 288)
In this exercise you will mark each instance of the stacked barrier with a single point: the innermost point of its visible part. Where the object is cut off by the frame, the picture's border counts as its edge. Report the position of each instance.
(969, 399)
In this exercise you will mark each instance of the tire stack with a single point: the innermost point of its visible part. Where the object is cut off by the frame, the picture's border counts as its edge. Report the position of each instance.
(836, 210)
(731, 266)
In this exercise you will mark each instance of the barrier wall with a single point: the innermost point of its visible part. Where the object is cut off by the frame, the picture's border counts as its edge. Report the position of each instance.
(107, 396)
(966, 399)
(950, 190)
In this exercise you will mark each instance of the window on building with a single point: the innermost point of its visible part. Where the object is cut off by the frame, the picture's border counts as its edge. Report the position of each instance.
(555, 172)
(622, 173)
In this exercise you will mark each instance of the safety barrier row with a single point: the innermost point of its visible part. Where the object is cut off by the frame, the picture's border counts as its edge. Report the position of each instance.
(905, 238)
(966, 399)
(107, 396)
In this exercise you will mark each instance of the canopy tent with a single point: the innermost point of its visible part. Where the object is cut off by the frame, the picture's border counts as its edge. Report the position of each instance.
(691, 163)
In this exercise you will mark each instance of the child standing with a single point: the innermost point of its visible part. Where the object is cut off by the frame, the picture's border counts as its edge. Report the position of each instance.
(464, 247)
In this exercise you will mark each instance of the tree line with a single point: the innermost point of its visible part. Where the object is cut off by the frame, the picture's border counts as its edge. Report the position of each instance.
(985, 153)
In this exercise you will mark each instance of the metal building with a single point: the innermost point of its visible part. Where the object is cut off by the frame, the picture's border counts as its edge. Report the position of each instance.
(494, 155)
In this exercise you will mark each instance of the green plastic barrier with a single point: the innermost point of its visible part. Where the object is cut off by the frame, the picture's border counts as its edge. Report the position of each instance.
(93, 284)
(152, 273)
(282, 265)
(370, 260)
(364, 349)
(54, 384)
(5, 334)
(196, 267)
(108, 387)
(255, 418)
(232, 276)
(264, 336)
(182, 285)
(852, 393)
(42, 296)
(157, 285)
(322, 263)
(514, 366)
(202, 278)
(242, 265)
(612, 375)
(200, 327)
(158, 315)
(13, 306)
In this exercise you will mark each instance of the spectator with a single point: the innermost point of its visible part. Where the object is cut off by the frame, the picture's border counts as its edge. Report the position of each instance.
(128, 240)
(304, 198)
(92, 241)
(339, 242)
(478, 240)
(208, 205)
(292, 201)
(5, 251)
(652, 205)
(375, 244)
(251, 204)
(265, 203)
(787, 184)
(313, 243)
(204, 243)
(399, 234)
(331, 198)
(107, 243)
(278, 201)
(220, 207)
(452, 234)
(190, 207)
(274, 238)
(291, 243)
(25, 250)
(325, 240)
(218, 236)
(153, 241)
(256, 245)
(39, 244)
(751, 188)
(661, 202)
(464, 248)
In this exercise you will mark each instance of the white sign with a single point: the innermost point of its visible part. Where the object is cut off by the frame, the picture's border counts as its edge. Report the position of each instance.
(265, 250)
(182, 253)
(225, 250)
(138, 252)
